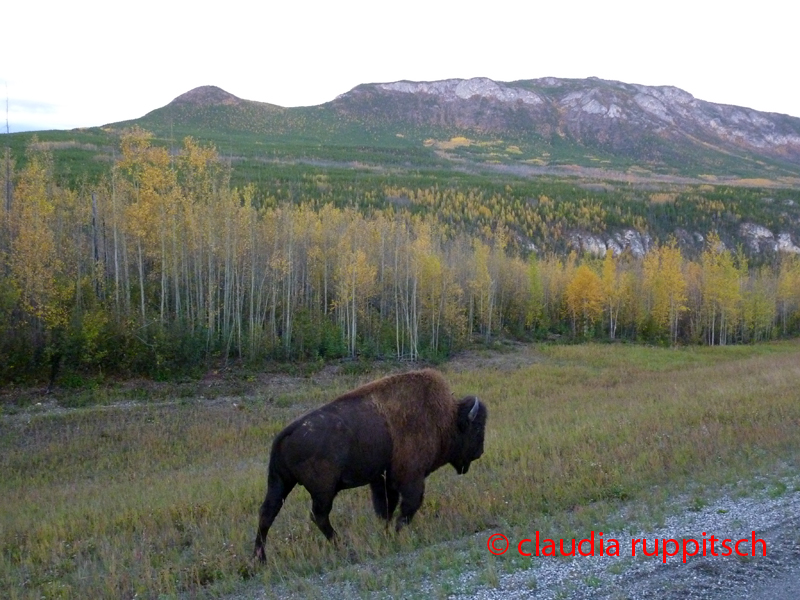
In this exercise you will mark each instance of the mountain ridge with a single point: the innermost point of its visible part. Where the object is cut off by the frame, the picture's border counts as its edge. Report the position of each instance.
(546, 121)
(212, 94)
(594, 112)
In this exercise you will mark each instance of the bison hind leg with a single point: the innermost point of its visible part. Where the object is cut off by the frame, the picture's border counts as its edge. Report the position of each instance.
(384, 499)
(277, 490)
(321, 505)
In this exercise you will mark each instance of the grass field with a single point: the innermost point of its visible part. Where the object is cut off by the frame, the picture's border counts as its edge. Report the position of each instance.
(159, 499)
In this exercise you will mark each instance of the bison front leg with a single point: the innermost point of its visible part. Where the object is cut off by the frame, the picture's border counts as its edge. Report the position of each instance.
(277, 490)
(384, 499)
(412, 494)
(321, 505)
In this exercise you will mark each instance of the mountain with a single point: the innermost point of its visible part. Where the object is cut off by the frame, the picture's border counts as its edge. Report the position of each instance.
(661, 126)
(211, 109)
(540, 122)
(208, 95)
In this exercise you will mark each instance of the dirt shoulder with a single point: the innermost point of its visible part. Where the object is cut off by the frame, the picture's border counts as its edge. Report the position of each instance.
(772, 516)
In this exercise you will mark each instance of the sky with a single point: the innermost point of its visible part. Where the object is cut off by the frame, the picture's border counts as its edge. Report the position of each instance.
(86, 63)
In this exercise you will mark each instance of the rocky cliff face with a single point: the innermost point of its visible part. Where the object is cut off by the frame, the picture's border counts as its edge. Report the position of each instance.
(757, 239)
(452, 90)
(630, 240)
(638, 120)
(760, 239)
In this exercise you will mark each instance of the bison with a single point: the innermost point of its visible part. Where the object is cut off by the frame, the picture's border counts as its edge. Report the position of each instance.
(390, 434)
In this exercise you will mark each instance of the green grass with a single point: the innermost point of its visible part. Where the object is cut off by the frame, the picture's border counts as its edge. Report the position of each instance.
(160, 498)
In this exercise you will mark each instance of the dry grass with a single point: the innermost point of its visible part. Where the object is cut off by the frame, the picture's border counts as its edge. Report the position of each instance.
(162, 499)
(663, 197)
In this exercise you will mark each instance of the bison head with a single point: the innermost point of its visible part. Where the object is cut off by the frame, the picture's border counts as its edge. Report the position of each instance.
(470, 426)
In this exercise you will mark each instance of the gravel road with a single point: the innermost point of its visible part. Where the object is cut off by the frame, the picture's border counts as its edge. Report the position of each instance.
(774, 518)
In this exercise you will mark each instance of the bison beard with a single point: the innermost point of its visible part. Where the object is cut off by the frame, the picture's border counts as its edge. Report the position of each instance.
(390, 434)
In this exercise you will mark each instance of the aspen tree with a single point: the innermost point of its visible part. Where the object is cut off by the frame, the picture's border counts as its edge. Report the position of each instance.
(6, 184)
(482, 288)
(556, 275)
(514, 295)
(721, 291)
(612, 291)
(759, 304)
(630, 292)
(788, 292)
(666, 287)
(694, 300)
(35, 259)
(405, 295)
(151, 185)
(428, 266)
(535, 311)
(584, 297)
(356, 278)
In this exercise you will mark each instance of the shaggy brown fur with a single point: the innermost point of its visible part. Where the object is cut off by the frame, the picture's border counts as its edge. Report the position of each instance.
(420, 411)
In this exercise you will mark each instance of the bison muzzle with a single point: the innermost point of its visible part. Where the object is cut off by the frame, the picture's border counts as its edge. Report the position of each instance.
(390, 434)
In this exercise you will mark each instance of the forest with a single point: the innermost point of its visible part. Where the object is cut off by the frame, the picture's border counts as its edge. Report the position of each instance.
(166, 263)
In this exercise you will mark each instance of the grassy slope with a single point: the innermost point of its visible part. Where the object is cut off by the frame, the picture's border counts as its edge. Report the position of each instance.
(162, 498)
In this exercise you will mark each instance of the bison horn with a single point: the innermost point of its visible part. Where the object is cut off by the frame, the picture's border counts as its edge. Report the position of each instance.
(473, 412)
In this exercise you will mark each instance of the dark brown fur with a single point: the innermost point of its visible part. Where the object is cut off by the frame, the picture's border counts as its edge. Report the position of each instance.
(390, 434)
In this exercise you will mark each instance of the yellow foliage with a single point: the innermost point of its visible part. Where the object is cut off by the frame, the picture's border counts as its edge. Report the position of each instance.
(36, 258)
(450, 144)
(585, 298)
(662, 197)
(665, 286)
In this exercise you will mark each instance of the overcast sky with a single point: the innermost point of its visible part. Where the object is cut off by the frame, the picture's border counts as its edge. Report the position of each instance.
(85, 62)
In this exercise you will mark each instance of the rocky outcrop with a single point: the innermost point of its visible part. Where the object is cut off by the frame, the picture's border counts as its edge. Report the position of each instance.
(785, 244)
(757, 239)
(760, 239)
(629, 239)
(451, 90)
(615, 116)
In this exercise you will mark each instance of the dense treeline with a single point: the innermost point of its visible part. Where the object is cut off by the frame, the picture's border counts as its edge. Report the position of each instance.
(166, 264)
(543, 210)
